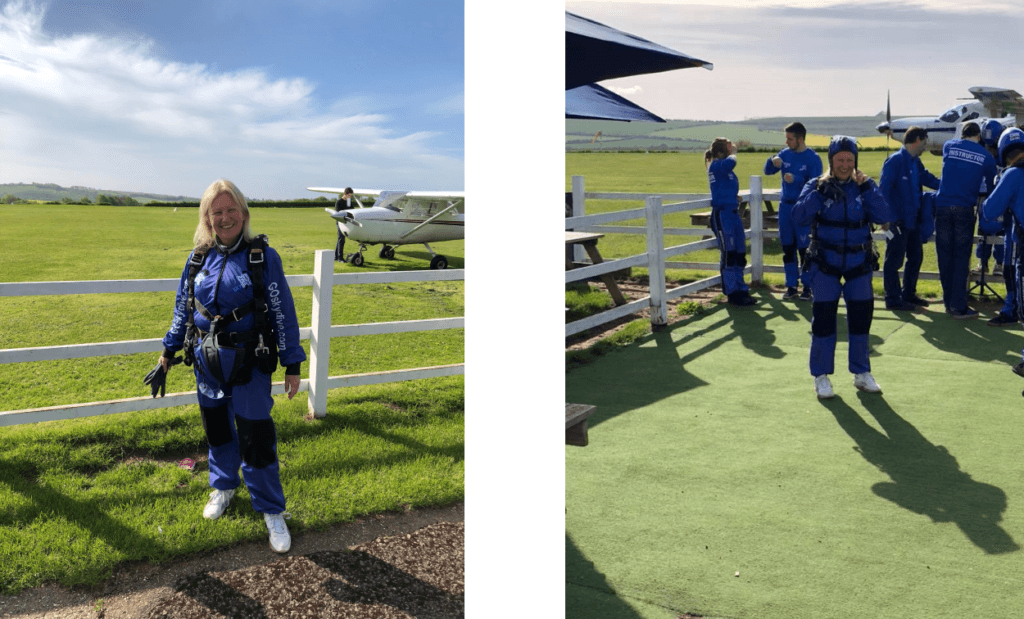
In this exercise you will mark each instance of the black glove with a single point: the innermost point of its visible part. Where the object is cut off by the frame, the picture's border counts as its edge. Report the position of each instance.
(157, 377)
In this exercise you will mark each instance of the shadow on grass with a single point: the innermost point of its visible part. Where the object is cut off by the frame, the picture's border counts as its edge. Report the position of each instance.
(587, 592)
(926, 478)
(971, 339)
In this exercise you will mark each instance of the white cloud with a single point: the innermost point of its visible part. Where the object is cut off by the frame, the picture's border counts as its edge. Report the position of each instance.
(76, 107)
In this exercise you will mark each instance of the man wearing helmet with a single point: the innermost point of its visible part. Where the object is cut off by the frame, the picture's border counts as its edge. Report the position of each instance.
(903, 174)
(1007, 200)
(990, 132)
(840, 207)
(968, 171)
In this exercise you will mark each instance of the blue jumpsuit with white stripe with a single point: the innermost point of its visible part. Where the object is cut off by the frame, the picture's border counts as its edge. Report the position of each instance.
(238, 426)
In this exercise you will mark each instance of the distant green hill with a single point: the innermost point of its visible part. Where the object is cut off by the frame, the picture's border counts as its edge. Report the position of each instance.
(689, 135)
(49, 192)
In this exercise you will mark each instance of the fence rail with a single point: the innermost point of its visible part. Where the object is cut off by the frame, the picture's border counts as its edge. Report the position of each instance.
(656, 257)
(319, 334)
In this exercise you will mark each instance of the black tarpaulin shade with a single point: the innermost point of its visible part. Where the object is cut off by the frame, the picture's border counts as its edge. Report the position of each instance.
(598, 103)
(595, 52)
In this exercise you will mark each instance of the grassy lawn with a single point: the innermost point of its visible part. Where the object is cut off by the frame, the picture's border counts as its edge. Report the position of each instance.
(78, 497)
(716, 484)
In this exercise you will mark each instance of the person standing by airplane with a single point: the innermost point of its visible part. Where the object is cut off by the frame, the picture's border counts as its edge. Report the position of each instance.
(798, 164)
(968, 172)
(341, 204)
(1004, 266)
(902, 177)
(840, 207)
(726, 222)
(235, 319)
(1007, 202)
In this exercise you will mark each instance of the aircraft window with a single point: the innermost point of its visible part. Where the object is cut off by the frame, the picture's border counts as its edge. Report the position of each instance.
(393, 207)
(950, 116)
(971, 116)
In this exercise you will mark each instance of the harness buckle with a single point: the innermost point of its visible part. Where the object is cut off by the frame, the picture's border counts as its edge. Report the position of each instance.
(261, 349)
(254, 254)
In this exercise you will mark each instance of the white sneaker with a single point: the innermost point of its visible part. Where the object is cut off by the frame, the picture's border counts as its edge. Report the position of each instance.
(865, 382)
(280, 538)
(823, 387)
(218, 502)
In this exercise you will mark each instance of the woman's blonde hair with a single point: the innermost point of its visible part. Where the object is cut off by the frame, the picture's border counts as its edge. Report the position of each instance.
(205, 237)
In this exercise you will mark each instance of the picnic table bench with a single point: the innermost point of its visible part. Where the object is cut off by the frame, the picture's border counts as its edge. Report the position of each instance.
(589, 242)
(576, 423)
(770, 217)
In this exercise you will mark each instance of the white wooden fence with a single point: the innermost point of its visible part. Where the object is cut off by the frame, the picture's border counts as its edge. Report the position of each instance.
(320, 333)
(656, 258)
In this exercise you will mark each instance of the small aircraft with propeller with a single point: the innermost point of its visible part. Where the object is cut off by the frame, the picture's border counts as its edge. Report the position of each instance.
(1001, 104)
(400, 218)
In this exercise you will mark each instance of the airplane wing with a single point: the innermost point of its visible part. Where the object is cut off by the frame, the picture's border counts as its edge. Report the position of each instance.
(341, 190)
(999, 101)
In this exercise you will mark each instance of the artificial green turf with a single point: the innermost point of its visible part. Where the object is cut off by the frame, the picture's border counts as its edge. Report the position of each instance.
(710, 455)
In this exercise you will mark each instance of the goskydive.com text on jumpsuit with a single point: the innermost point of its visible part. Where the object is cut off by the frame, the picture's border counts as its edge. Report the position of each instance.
(804, 166)
(727, 224)
(840, 262)
(238, 425)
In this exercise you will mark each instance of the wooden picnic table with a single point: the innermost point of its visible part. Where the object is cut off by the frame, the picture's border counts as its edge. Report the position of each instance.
(576, 423)
(589, 242)
(770, 217)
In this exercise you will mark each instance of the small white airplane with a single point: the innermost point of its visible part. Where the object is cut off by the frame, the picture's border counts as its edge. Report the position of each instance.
(401, 218)
(1001, 104)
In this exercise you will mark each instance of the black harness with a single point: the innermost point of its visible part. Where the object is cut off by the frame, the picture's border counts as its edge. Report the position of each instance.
(247, 349)
(814, 251)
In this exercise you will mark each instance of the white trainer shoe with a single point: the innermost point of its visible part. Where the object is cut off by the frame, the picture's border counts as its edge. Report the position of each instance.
(219, 500)
(823, 387)
(865, 382)
(280, 538)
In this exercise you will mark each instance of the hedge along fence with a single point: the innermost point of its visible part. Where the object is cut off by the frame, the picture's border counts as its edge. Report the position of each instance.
(319, 333)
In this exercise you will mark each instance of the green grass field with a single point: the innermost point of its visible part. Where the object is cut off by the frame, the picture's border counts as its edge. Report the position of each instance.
(715, 483)
(78, 497)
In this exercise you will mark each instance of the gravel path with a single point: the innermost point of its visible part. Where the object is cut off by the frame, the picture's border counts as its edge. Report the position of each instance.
(387, 565)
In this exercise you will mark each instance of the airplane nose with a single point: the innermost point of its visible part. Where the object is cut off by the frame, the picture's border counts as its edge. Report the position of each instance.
(883, 128)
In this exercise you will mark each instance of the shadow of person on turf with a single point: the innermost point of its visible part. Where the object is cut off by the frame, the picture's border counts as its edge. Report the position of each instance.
(926, 478)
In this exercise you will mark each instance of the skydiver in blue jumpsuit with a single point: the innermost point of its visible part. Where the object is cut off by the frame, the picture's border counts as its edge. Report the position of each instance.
(840, 206)
(902, 177)
(236, 416)
(968, 171)
(798, 165)
(1007, 202)
(990, 134)
(726, 222)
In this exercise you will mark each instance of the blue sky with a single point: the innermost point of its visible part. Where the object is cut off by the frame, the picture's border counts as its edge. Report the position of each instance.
(165, 97)
(814, 57)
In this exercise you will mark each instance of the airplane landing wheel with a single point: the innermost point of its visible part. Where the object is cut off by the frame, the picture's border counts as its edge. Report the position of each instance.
(387, 252)
(356, 260)
(439, 263)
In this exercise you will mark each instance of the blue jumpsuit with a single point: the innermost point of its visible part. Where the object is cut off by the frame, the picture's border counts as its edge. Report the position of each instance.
(238, 425)
(727, 224)
(841, 250)
(902, 178)
(804, 166)
(968, 170)
(1007, 201)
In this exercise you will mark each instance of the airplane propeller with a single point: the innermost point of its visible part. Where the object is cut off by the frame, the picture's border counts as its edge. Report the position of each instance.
(888, 120)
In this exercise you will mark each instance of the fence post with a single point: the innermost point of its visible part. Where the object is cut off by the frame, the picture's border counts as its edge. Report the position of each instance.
(320, 336)
(656, 261)
(578, 210)
(756, 230)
